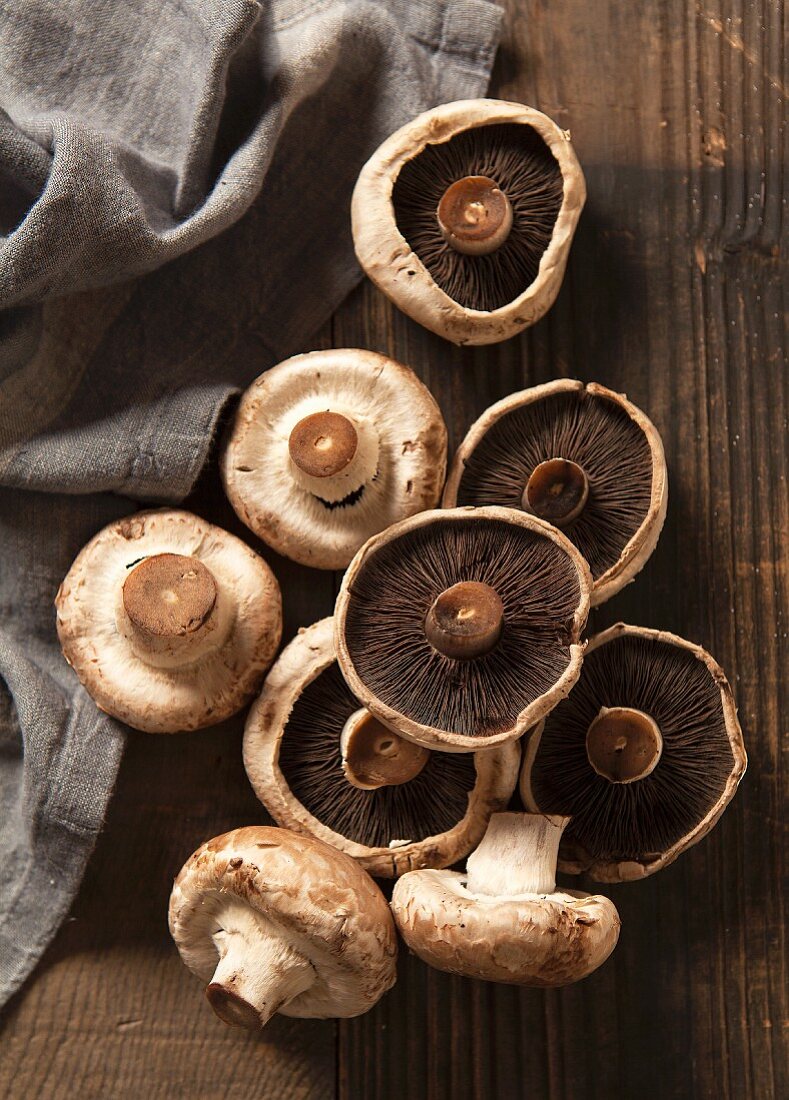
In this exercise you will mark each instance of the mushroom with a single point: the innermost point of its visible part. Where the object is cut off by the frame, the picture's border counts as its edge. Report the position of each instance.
(168, 621)
(505, 920)
(646, 754)
(322, 764)
(579, 456)
(275, 922)
(331, 447)
(464, 217)
(460, 629)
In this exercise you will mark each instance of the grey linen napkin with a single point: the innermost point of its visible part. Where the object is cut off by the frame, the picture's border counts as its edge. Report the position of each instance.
(136, 299)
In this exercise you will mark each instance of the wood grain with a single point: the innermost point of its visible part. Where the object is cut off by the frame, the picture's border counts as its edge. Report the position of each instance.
(674, 295)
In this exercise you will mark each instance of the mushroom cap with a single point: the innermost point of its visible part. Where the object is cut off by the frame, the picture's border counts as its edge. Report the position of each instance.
(319, 899)
(259, 476)
(483, 784)
(161, 699)
(529, 939)
(392, 669)
(626, 549)
(708, 748)
(389, 260)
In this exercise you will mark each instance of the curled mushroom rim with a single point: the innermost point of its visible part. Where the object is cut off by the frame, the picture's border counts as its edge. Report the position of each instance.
(638, 549)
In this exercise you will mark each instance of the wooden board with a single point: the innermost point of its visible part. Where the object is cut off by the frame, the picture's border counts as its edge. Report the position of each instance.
(673, 294)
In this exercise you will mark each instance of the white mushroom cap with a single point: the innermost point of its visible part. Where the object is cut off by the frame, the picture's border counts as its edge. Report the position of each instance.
(637, 550)
(281, 923)
(396, 468)
(193, 675)
(505, 920)
(301, 662)
(390, 262)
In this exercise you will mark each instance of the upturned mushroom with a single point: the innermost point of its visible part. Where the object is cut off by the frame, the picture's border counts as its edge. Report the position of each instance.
(582, 458)
(168, 621)
(505, 920)
(273, 922)
(646, 754)
(460, 629)
(329, 448)
(464, 217)
(322, 764)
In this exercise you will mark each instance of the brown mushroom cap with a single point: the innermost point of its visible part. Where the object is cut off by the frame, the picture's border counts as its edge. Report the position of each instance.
(168, 621)
(401, 210)
(459, 704)
(676, 772)
(307, 932)
(536, 937)
(331, 447)
(579, 456)
(293, 759)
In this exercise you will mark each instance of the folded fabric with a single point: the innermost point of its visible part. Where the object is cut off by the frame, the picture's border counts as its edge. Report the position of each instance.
(131, 134)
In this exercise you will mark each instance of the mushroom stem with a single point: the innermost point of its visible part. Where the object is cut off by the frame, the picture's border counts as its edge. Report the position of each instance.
(374, 756)
(258, 971)
(623, 744)
(557, 491)
(171, 610)
(517, 855)
(333, 455)
(474, 216)
(465, 620)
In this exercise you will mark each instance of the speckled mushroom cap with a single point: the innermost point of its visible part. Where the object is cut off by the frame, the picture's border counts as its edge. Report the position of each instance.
(478, 139)
(543, 939)
(529, 598)
(123, 619)
(581, 427)
(646, 754)
(293, 757)
(386, 435)
(330, 922)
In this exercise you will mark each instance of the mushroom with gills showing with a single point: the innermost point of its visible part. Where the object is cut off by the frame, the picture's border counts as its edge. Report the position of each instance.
(329, 448)
(168, 621)
(579, 456)
(505, 920)
(273, 922)
(646, 754)
(460, 629)
(323, 765)
(464, 217)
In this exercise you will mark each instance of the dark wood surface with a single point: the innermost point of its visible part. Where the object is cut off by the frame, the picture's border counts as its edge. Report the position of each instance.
(673, 294)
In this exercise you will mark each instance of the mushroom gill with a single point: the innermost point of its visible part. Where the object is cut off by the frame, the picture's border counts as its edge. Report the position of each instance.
(591, 434)
(628, 816)
(392, 595)
(488, 162)
(432, 802)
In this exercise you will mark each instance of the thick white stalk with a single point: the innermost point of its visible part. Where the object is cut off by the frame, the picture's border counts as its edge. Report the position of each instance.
(517, 855)
(258, 971)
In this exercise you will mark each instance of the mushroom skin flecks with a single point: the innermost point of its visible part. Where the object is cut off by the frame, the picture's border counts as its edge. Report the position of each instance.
(330, 447)
(579, 456)
(460, 629)
(505, 920)
(645, 754)
(394, 808)
(272, 922)
(169, 621)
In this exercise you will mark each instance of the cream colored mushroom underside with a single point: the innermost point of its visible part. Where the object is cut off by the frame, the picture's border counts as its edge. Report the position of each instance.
(118, 677)
(301, 662)
(412, 458)
(344, 943)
